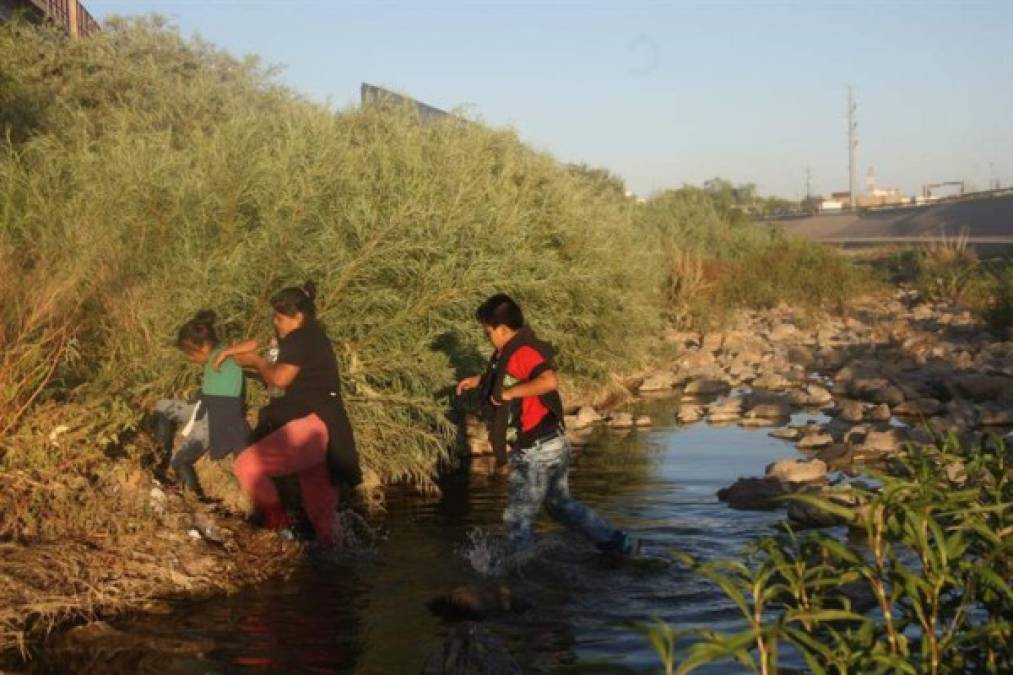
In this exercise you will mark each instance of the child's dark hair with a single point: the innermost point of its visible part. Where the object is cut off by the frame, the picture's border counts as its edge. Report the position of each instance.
(500, 310)
(289, 301)
(198, 331)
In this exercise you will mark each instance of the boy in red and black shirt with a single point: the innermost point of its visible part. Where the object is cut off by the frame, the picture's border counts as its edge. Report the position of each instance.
(520, 400)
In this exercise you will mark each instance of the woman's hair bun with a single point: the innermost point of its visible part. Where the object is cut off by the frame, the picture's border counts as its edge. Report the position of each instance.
(310, 288)
(205, 316)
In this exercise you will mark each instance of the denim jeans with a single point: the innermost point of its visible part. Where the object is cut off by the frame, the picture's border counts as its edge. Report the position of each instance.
(194, 444)
(539, 475)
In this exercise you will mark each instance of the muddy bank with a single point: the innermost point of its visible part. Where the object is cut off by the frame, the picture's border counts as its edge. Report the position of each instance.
(163, 547)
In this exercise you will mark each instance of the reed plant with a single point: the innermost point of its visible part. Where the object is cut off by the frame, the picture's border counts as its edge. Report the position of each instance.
(921, 586)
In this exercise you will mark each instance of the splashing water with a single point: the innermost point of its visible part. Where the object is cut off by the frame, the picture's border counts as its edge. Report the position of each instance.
(358, 539)
(485, 552)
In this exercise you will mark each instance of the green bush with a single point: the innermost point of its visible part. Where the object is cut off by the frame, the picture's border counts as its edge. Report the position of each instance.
(161, 176)
(934, 562)
(715, 262)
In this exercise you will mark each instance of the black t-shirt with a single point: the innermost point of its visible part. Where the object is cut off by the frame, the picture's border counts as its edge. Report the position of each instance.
(309, 348)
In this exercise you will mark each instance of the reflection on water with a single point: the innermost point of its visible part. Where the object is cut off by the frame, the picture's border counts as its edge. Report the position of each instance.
(370, 615)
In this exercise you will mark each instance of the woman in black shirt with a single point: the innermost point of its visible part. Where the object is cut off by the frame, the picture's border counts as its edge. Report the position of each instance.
(306, 431)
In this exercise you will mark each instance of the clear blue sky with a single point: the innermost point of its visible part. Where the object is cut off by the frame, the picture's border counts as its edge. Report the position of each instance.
(666, 93)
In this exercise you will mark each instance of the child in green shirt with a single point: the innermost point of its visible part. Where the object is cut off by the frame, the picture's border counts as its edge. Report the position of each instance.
(216, 421)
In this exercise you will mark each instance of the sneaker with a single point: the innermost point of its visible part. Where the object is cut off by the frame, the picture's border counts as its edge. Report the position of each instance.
(621, 545)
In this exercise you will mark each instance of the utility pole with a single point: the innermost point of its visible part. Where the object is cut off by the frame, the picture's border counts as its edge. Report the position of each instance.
(852, 144)
(808, 184)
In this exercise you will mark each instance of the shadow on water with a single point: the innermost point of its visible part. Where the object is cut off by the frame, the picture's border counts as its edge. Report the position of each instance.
(371, 616)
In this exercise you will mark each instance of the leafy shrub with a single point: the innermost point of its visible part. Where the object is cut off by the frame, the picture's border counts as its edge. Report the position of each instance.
(934, 565)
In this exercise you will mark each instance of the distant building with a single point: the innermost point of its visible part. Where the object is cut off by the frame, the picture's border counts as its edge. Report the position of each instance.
(70, 15)
(831, 205)
(883, 197)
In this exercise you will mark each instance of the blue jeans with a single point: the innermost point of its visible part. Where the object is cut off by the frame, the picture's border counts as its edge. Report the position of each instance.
(539, 475)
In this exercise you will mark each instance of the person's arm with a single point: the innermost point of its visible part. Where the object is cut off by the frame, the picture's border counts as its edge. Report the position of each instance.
(468, 383)
(278, 375)
(233, 350)
(547, 382)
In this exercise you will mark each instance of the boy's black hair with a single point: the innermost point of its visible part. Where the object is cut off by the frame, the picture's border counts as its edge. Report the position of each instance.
(294, 299)
(198, 331)
(500, 310)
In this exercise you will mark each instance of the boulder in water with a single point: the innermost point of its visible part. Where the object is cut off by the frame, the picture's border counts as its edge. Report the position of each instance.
(791, 470)
(753, 494)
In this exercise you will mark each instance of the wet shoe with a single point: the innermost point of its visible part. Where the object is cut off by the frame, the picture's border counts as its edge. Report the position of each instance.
(621, 545)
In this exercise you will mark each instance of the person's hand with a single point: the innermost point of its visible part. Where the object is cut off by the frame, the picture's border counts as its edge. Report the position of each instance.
(468, 383)
(220, 359)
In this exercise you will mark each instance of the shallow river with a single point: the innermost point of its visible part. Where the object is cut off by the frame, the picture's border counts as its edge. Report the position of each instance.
(370, 615)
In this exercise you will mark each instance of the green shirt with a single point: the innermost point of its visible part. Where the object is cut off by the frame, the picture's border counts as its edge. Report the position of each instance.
(226, 381)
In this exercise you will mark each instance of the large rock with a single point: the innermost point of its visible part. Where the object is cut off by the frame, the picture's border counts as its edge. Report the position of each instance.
(772, 381)
(850, 411)
(818, 396)
(585, 417)
(787, 433)
(705, 387)
(885, 441)
(792, 470)
(880, 413)
(769, 410)
(814, 441)
(920, 407)
(470, 649)
(995, 416)
(753, 494)
(836, 456)
(688, 414)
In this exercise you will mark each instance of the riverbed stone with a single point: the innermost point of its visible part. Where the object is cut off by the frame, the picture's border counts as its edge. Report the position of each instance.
(793, 470)
(661, 380)
(814, 441)
(770, 409)
(688, 414)
(836, 455)
(885, 441)
(753, 494)
(706, 387)
(818, 395)
(787, 434)
(995, 415)
(850, 410)
(880, 413)
(772, 381)
(586, 417)
(621, 420)
(919, 407)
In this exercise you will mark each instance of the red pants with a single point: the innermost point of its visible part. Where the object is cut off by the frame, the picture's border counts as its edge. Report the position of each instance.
(299, 447)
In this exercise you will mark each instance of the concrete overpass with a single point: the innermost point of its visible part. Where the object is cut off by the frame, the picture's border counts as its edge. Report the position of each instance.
(986, 220)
